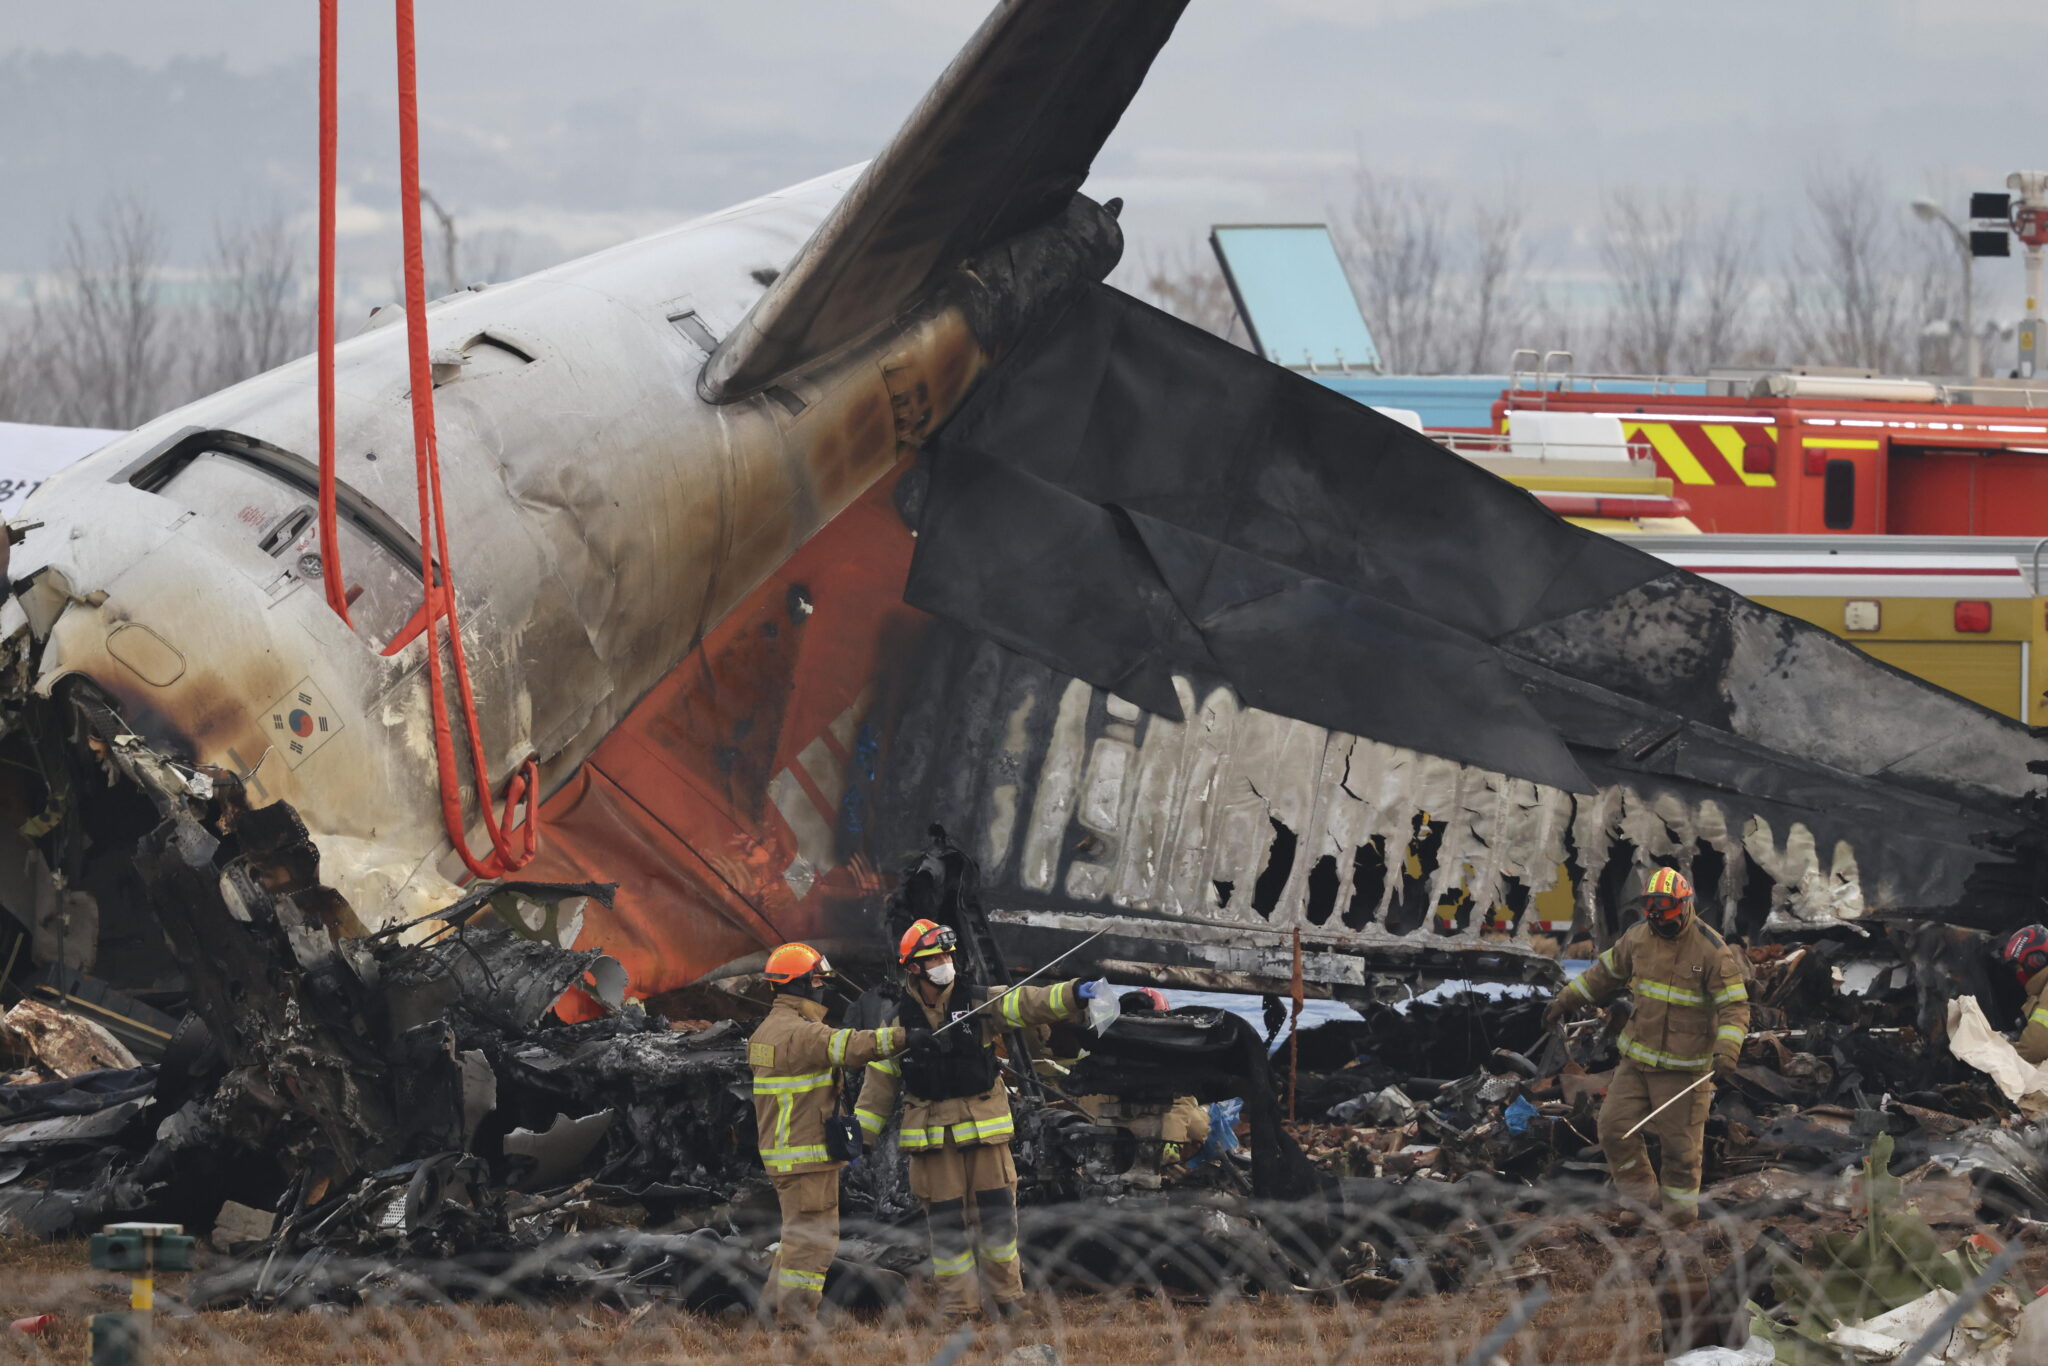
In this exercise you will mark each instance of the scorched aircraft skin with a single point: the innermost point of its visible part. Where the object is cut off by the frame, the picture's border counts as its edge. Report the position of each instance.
(689, 480)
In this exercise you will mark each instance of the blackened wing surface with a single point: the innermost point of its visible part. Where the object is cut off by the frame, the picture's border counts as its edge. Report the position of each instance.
(1127, 497)
(1130, 497)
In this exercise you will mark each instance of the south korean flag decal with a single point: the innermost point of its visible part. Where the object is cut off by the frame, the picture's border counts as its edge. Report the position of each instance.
(300, 722)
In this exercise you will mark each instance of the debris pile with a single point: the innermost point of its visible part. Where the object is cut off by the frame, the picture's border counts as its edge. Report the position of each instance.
(464, 1120)
(1463, 1082)
(42, 1044)
(353, 1118)
(1871, 1286)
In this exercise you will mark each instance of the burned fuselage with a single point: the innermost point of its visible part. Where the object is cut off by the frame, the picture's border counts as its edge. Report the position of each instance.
(781, 534)
(606, 517)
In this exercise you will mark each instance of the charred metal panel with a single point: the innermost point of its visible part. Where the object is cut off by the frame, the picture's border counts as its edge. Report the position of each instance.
(1225, 655)
(1201, 843)
(1691, 647)
(604, 523)
(602, 520)
(1134, 503)
(997, 148)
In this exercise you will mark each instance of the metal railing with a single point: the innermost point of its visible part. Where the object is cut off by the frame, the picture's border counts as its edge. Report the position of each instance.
(1555, 372)
(1531, 371)
(1502, 445)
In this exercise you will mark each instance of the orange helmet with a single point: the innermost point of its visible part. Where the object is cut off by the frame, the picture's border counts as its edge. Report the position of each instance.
(925, 939)
(794, 962)
(1667, 901)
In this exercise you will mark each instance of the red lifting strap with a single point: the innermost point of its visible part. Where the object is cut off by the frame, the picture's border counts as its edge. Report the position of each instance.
(436, 569)
(437, 596)
(330, 541)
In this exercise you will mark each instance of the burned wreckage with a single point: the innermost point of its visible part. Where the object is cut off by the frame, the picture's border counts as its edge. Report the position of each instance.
(787, 532)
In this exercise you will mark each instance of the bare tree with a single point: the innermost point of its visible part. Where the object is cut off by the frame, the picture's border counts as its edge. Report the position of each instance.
(1681, 283)
(99, 355)
(1718, 333)
(18, 364)
(256, 309)
(1647, 247)
(1188, 283)
(451, 275)
(1496, 307)
(1553, 324)
(455, 266)
(1844, 301)
(1393, 243)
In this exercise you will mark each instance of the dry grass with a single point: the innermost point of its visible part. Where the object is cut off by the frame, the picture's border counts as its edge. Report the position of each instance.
(1593, 1319)
(1610, 1329)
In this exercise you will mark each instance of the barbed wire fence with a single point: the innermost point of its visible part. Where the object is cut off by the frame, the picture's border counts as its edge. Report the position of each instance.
(1423, 1272)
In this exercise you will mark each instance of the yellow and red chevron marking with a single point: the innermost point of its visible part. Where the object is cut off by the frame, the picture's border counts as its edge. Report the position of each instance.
(1700, 452)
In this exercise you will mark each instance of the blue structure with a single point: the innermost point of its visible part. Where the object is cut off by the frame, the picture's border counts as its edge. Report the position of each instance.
(1467, 400)
(1440, 400)
(1297, 307)
(1293, 295)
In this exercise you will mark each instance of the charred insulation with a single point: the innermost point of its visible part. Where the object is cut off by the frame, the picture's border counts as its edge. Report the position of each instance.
(69, 885)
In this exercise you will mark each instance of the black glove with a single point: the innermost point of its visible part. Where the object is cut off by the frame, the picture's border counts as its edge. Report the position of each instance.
(914, 1039)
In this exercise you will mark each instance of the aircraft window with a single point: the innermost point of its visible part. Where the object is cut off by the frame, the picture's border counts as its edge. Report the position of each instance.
(277, 505)
(1838, 495)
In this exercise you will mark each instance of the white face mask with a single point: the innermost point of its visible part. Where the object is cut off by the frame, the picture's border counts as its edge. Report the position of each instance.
(940, 975)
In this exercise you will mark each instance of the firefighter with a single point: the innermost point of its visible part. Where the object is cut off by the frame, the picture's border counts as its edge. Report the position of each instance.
(2026, 953)
(796, 1059)
(1169, 1129)
(956, 1124)
(1691, 1011)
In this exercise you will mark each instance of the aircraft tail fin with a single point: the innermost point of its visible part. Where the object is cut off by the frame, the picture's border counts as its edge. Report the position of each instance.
(999, 145)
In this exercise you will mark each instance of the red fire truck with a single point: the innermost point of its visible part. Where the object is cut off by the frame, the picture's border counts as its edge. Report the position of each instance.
(1811, 453)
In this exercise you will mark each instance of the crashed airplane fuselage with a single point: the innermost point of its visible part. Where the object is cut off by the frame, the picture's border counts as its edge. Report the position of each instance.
(688, 481)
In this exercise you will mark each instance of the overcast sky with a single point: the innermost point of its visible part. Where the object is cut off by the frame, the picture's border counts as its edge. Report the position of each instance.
(587, 123)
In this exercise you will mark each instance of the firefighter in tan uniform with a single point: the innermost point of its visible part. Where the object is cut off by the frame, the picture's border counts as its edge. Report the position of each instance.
(956, 1124)
(1168, 1130)
(1691, 1011)
(2026, 953)
(796, 1059)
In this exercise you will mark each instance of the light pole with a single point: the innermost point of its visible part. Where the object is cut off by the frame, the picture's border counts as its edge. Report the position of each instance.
(1930, 212)
(2030, 225)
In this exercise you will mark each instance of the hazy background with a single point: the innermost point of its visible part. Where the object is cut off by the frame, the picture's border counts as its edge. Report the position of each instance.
(1575, 137)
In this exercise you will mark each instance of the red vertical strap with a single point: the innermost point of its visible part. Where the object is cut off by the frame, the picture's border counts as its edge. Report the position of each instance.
(1294, 1028)
(436, 570)
(330, 540)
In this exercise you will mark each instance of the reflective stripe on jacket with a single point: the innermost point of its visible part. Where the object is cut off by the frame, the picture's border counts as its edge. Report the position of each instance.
(796, 1056)
(2034, 1019)
(969, 1119)
(1691, 996)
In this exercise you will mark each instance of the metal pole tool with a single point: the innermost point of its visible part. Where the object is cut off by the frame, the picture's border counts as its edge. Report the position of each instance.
(1704, 1079)
(965, 1015)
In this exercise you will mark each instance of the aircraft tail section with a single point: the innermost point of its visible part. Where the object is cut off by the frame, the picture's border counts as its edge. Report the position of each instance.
(999, 145)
